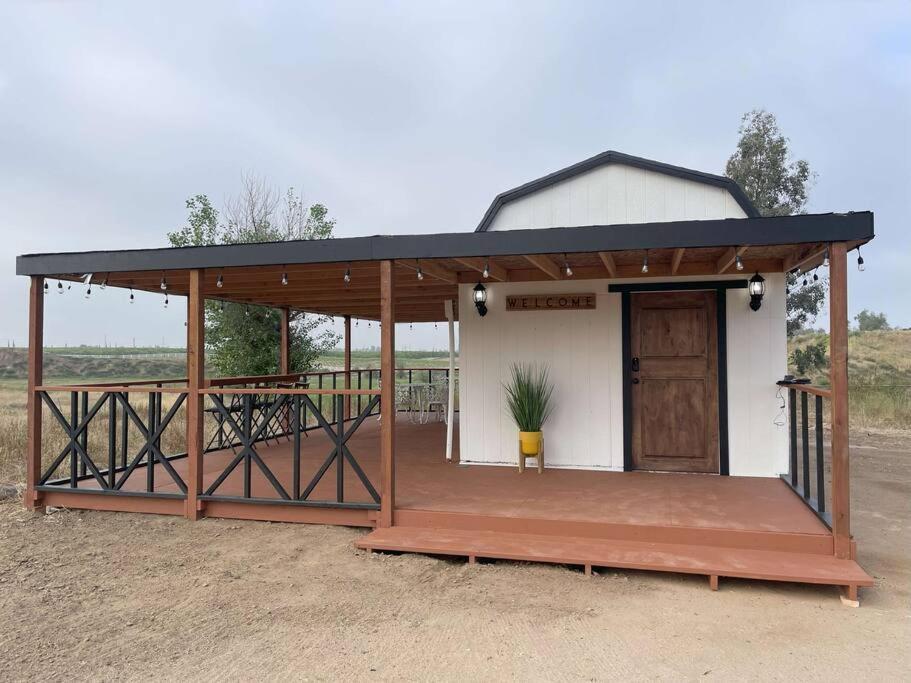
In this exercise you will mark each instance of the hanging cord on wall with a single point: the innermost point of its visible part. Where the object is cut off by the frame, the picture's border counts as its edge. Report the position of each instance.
(780, 420)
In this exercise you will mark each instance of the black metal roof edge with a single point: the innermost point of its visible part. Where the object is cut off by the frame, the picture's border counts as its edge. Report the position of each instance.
(611, 156)
(805, 228)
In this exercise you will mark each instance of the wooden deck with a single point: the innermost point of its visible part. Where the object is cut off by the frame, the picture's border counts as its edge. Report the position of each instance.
(717, 526)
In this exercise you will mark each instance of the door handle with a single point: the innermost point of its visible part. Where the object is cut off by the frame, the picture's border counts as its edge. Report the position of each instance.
(635, 364)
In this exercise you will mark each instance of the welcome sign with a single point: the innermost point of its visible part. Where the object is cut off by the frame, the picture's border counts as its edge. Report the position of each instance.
(550, 302)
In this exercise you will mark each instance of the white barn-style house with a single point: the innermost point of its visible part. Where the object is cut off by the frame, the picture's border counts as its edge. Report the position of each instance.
(653, 294)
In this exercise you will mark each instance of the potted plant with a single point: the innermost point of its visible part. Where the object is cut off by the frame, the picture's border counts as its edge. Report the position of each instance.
(529, 395)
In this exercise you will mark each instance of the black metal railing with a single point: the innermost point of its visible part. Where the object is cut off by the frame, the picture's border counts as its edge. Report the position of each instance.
(106, 444)
(808, 471)
(123, 438)
(251, 414)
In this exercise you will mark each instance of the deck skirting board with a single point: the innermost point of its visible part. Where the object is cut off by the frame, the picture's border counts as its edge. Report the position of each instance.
(766, 565)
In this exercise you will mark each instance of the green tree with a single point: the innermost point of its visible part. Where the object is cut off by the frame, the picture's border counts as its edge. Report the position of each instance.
(761, 165)
(868, 321)
(201, 227)
(811, 357)
(241, 339)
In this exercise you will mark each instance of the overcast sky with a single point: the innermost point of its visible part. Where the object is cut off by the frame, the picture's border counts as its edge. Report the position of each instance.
(410, 117)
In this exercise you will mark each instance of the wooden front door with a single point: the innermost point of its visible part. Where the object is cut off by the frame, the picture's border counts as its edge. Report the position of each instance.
(674, 374)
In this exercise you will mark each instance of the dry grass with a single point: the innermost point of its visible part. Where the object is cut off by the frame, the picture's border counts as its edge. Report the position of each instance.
(879, 371)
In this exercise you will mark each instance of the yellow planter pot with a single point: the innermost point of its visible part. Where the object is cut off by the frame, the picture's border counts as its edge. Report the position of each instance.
(530, 442)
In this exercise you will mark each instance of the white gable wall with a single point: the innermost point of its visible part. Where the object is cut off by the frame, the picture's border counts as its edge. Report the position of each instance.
(614, 194)
(583, 350)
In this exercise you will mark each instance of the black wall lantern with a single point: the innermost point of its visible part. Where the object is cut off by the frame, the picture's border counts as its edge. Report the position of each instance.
(480, 299)
(757, 289)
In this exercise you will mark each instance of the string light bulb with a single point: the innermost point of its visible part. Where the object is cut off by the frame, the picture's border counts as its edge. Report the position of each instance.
(222, 307)
(825, 258)
(46, 288)
(566, 268)
(59, 287)
(104, 282)
(738, 262)
(166, 300)
(347, 277)
(815, 277)
(284, 279)
(645, 263)
(247, 309)
(420, 272)
(220, 281)
(860, 260)
(88, 292)
(486, 272)
(164, 284)
(132, 298)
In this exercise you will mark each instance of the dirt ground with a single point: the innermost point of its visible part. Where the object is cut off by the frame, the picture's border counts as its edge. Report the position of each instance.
(112, 596)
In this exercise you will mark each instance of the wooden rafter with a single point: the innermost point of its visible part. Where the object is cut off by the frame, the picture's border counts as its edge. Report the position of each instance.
(432, 269)
(730, 257)
(608, 260)
(675, 261)
(496, 271)
(804, 256)
(545, 264)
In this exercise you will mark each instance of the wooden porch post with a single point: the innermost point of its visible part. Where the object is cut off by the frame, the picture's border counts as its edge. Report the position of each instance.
(347, 365)
(284, 356)
(196, 355)
(35, 378)
(387, 396)
(838, 379)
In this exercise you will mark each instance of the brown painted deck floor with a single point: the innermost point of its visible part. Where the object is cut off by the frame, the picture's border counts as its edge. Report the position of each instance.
(425, 481)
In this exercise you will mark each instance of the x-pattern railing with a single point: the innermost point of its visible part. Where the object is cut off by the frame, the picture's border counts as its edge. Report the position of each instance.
(275, 426)
(252, 428)
(107, 479)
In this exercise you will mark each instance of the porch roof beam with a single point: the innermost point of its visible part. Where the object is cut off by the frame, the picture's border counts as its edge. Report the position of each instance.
(544, 264)
(494, 269)
(729, 258)
(609, 265)
(430, 268)
(676, 259)
(801, 257)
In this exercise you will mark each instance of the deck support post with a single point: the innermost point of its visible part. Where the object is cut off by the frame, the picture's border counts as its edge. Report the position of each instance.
(838, 380)
(387, 395)
(32, 497)
(284, 353)
(347, 365)
(196, 309)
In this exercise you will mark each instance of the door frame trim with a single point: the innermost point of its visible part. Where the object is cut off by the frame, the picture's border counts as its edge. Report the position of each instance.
(720, 287)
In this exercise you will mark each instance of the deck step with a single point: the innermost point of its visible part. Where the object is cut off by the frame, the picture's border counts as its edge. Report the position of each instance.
(768, 565)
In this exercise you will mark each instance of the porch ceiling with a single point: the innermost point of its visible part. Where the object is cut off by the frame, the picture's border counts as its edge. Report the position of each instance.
(315, 270)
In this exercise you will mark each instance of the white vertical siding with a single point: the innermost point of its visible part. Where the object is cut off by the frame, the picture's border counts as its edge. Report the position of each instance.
(583, 351)
(616, 193)
(757, 358)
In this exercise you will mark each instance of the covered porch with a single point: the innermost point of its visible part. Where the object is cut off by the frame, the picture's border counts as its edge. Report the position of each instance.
(319, 453)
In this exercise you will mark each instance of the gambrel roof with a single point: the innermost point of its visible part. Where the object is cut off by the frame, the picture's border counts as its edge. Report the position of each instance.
(612, 157)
